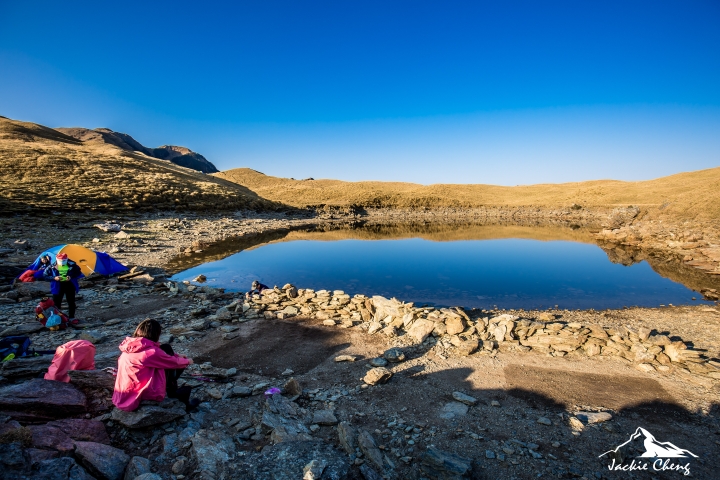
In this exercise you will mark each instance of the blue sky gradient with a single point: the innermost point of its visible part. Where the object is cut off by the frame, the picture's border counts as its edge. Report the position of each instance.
(465, 92)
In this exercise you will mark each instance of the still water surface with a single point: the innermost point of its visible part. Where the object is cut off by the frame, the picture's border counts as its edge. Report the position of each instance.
(507, 272)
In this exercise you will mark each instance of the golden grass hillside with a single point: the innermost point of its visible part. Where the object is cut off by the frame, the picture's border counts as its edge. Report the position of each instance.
(690, 195)
(42, 169)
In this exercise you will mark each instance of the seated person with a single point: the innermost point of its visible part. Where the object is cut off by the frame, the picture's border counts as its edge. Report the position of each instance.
(148, 370)
(257, 287)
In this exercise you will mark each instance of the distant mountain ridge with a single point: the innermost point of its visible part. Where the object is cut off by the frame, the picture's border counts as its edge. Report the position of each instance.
(178, 155)
(44, 170)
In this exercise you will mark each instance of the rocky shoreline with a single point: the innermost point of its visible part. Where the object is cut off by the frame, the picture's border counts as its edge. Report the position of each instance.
(371, 387)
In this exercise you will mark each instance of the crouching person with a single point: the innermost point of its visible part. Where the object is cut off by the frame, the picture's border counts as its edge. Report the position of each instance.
(148, 370)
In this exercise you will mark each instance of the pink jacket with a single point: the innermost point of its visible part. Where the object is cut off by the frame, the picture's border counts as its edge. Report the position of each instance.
(141, 372)
(74, 355)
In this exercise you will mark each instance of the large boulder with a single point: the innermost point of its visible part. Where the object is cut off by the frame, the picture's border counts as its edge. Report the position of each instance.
(26, 367)
(40, 399)
(59, 435)
(136, 467)
(150, 413)
(22, 329)
(212, 451)
(377, 375)
(102, 461)
(439, 465)
(286, 461)
(421, 329)
(63, 468)
(385, 307)
(92, 379)
(369, 448)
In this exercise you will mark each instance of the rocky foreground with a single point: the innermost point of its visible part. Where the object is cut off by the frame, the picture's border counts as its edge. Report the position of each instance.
(367, 388)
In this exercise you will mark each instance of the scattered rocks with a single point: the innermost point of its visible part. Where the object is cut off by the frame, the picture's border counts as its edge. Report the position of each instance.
(324, 417)
(442, 465)
(136, 467)
(26, 367)
(466, 399)
(454, 325)
(394, 355)
(39, 399)
(93, 336)
(150, 413)
(240, 391)
(60, 469)
(347, 437)
(22, 329)
(314, 469)
(292, 387)
(108, 227)
(378, 362)
(421, 329)
(287, 461)
(544, 421)
(102, 461)
(345, 358)
(377, 376)
(593, 417)
(369, 448)
(453, 410)
(212, 451)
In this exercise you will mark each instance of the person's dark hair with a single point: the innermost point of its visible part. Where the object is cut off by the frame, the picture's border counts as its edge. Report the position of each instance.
(149, 329)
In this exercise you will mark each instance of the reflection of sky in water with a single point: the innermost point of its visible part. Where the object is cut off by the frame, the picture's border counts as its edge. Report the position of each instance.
(509, 273)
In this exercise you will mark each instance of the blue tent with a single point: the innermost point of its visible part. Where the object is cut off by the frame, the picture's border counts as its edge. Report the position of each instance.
(88, 260)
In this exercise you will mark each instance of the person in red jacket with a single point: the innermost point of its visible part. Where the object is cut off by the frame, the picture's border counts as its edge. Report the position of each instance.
(148, 370)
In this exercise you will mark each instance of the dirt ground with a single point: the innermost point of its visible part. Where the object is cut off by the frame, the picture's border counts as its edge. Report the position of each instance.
(526, 386)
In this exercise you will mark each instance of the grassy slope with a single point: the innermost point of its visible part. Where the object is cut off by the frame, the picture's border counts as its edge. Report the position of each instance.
(43, 169)
(690, 195)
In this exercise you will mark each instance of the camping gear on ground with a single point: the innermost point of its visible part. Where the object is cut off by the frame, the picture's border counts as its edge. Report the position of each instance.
(73, 355)
(49, 315)
(14, 347)
(27, 276)
(88, 260)
(272, 391)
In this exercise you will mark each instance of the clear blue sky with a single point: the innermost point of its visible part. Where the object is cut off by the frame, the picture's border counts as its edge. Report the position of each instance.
(465, 92)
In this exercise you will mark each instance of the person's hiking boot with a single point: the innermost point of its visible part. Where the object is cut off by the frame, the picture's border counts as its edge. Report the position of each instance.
(74, 321)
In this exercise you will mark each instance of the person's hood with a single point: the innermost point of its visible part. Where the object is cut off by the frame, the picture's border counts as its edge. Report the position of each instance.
(136, 344)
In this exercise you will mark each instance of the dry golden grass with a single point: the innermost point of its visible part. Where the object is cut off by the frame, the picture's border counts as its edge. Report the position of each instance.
(43, 169)
(690, 195)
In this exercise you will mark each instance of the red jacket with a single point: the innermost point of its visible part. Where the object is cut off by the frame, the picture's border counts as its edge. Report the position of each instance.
(141, 372)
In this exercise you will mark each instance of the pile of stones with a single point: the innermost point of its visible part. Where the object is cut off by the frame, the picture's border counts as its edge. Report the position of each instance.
(457, 332)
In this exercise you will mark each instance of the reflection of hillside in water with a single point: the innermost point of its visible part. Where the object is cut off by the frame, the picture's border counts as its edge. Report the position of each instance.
(446, 232)
(668, 267)
(442, 233)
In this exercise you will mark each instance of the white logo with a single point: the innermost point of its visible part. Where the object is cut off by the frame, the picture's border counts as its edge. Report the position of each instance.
(663, 452)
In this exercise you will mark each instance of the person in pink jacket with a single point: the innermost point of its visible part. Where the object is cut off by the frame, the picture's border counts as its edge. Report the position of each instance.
(148, 370)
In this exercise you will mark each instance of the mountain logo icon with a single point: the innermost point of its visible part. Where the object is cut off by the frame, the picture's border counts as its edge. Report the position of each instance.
(653, 448)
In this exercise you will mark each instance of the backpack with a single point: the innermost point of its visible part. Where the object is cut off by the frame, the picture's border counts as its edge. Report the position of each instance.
(48, 314)
(14, 347)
